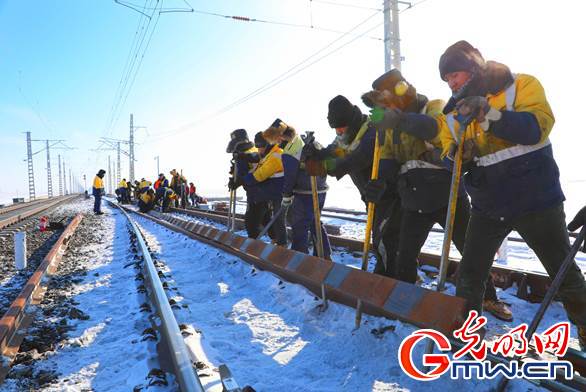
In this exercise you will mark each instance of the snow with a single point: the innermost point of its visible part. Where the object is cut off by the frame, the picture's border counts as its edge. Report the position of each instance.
(105, 352)
(270, 333)
(272, 336)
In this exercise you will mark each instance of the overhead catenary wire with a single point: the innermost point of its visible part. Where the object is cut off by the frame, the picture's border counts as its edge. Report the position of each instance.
(275, 81)
(288, 24)
(139, 66)
(140, 33)
(133, 69)
(281, 78)
(136, 7)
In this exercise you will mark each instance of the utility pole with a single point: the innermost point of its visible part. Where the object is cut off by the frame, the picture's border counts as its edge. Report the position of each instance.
(131, 151)
(64, 178)
(109, 176)
(108, 144)
(31, 174)
(60, 183)
(48, 149)
(70, 181)
(157, 159)
(392, 36)
(131, 154)
(49, 178)
(118, 164)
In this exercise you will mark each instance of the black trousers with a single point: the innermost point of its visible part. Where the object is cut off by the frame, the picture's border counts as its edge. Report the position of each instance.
(256, 216)
(545, 232)
(415, 228)
(385, 235)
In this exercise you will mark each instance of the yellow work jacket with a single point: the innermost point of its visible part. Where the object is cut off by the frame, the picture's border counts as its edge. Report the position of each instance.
(98, 183)
(144, 184)
(270, 166)
(146, 198)
(411, 148)
(525, 95)
(122, 184)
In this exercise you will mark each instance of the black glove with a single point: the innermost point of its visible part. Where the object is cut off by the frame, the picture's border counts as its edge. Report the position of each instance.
(374, 190)
(249, 157)
(579, 221)
(309, 150)
(234, 183)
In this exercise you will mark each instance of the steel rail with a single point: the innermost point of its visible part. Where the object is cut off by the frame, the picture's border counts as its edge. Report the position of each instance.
(17, 317)
(376, 294)
(531, 285)
(18, 215)
(358, 220)
(215, 238)
(18, 206)
(183, 368)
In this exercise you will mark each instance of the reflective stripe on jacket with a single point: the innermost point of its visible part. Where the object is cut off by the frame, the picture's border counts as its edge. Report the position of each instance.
(296, 179)
(509, 179)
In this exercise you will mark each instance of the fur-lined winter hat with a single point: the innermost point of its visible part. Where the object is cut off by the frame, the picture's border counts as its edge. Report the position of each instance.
(391, 90)
(237, 137)
(278, 129)
(461, 56)
(260, 141)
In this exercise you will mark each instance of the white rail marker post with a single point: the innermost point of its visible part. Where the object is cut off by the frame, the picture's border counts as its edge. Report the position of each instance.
(20, 250)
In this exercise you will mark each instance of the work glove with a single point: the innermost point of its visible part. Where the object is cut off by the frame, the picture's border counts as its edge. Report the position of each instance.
(374, 190)
(234, 183)
(385, 118)
(287, 201)
(478, 108)
(470, 151)
(578, 221)
(309, 150)
(248, 157)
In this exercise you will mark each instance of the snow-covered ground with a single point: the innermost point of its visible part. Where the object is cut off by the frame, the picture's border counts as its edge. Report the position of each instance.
(270, 333)
(106, 352)
(272, 336)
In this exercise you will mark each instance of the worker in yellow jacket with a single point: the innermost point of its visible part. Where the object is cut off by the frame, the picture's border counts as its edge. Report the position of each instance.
(98, 191)
(511, 174)
(265, 185)
(122, 191)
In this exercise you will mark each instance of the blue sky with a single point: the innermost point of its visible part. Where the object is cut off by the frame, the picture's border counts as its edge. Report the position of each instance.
(61, 62)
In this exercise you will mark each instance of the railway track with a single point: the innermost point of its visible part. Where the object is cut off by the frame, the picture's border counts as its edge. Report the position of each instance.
(20, 212)
(350, 292)
(329, 282)
(531, 286)
(19, 315)
(25, 219)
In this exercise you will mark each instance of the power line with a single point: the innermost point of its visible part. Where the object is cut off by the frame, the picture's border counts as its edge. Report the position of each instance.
(272, 83)
(139, 65)
(288, 24)
(279, 79)
(136, 7)
(129, 58)
(132, 70)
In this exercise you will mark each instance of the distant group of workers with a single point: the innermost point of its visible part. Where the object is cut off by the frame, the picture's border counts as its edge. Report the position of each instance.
(164, 193)
(495, 126)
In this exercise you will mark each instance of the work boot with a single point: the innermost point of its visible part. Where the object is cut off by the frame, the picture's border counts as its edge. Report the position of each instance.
(582, 337)
(498, 309)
